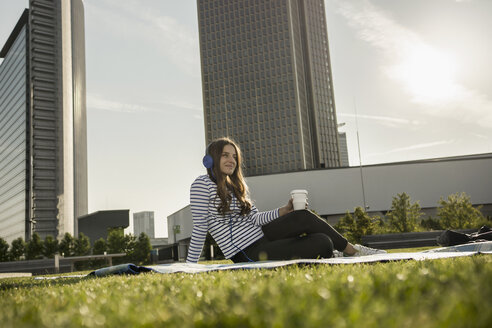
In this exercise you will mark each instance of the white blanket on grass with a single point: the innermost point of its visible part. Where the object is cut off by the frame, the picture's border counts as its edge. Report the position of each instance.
(438, 253)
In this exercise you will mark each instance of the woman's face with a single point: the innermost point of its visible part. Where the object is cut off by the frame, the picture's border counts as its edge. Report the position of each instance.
(228, 160)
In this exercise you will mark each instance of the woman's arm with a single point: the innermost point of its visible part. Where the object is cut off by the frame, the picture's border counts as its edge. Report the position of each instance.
(286, 209)
(199, 199)
(262, 218)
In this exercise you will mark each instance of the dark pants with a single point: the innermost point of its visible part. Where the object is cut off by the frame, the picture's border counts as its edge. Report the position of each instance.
(452, 238)
(299, 234)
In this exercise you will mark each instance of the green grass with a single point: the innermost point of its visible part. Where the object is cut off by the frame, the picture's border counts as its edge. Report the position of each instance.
(414, 249)
(440, 293)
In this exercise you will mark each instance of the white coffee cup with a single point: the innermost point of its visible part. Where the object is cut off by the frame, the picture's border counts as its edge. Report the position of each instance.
(299, 199)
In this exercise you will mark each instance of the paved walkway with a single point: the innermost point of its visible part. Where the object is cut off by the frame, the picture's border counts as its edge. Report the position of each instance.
(15, 274)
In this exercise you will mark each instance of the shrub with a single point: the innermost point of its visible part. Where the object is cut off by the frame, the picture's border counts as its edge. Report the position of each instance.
(4, 250)
(404, 216)
(17, 249)
(100, 246)
(357, 225)
(141, 252)
(81, 245)
(116, 241)
(66, 245)
(431, 224)
(34, 248)
(50, 247)
(130, 245)
(457, 212)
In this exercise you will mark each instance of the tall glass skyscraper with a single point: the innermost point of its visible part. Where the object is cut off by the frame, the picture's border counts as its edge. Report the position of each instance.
(43, 136)
(266, 81)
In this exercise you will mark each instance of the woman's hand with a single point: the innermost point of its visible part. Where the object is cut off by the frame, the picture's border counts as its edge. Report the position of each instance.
(286, 209)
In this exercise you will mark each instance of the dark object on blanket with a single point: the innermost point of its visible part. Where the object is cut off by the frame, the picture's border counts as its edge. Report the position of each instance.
(128, 268)
(452, 238)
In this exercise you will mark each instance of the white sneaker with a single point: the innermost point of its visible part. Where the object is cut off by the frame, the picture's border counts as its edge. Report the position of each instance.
(364, 250)
(337, 253)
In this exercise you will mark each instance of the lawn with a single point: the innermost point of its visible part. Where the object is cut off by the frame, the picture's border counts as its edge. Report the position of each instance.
(441, 293)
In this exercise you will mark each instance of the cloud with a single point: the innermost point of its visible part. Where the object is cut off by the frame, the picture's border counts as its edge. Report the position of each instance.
(425, 72)
(393, 121)
(479, 136)
(181, 104)
(99, 102)
(133, 20)
(414, 147)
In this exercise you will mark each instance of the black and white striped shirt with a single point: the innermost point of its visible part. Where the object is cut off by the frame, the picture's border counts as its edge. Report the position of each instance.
(232, 232)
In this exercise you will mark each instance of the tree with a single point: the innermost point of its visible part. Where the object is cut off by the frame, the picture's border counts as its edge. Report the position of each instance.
(81, 245)
(346, 224)
(66, 245)
(17, 249)
(357, 225)
(130, 245)
(431, 223)
(457, 212)
(100, 246)
(404, 216)
(50, 247)
(34, 248)
(4, 250)
(141, 252)
(116, 241)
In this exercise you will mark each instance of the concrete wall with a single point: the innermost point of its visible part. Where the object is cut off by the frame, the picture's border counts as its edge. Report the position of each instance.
(184, 220)
(334, 191)
(95, 225)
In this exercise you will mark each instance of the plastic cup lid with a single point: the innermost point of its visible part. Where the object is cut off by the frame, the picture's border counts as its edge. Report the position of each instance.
(299, 191)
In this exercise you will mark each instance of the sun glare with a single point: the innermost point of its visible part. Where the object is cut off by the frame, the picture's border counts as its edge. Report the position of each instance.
(427, 74)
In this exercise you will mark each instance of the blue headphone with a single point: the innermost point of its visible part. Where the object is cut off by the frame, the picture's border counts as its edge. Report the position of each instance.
(208, 161)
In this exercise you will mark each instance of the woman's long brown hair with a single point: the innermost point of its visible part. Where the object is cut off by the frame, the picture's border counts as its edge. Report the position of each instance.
(226, 184)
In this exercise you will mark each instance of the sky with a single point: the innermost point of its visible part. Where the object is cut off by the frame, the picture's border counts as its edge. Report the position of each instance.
(411, 78)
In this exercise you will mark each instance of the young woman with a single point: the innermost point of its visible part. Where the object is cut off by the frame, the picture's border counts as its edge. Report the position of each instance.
(220, 205)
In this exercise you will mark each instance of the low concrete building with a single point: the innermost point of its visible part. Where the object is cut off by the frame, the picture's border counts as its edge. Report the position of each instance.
(158, 242)
(179, 227)
(96, 225)
(333, 192)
